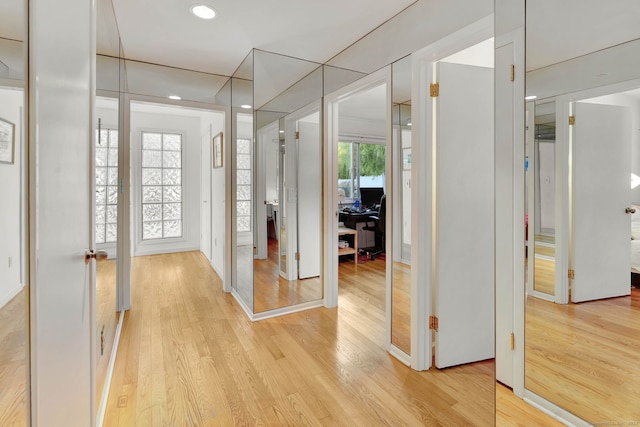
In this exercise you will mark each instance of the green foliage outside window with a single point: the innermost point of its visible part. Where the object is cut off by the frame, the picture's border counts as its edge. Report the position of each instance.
(372, 161)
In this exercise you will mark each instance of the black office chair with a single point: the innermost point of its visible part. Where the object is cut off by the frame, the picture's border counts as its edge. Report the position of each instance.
(378, 227)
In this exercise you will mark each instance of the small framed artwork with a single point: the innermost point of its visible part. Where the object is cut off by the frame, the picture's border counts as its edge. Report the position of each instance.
(7, 141)
(217, 151)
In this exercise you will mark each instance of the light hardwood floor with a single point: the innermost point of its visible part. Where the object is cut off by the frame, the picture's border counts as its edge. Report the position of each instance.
(586, 357)
(271, 291)
(189, 356)
(106, 318)
(401, 307)
(13, 375)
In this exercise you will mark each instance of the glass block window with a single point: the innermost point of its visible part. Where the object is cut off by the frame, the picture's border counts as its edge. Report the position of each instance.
(243, 187)
(106, 185)
(161, 185)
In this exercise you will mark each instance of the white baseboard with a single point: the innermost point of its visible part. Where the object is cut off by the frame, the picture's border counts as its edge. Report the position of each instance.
(162, 249)
(11, 295)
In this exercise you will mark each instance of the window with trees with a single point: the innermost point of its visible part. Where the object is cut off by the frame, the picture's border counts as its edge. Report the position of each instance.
(106, 185)
(360, 164)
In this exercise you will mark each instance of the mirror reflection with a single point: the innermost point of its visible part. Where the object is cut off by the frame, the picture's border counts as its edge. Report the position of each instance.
(401, 134)
(14, 291)
(581, 351)
(541, 182)
(288, 182)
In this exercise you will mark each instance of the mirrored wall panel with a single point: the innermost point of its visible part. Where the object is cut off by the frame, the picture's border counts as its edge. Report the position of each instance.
(14, 290)
(288, 182)
(243, 181)
(401, 275)
(582, 319)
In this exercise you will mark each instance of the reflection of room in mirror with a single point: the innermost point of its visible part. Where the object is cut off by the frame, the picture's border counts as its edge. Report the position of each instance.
(581, 349)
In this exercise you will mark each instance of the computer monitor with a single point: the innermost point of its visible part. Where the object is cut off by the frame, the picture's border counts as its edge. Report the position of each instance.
(370, 197)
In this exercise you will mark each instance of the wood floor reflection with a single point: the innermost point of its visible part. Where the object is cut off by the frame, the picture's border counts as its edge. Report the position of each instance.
(189, 356)
(401, 307)
(271, 291)
(586, 357)
(106, 318)
(13, 375)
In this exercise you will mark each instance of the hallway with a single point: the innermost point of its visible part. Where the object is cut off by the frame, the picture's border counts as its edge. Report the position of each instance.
(189, 356)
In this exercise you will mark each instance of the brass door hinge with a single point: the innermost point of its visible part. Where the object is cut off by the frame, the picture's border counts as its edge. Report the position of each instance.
(297, 256)
(297, 135)
(572, 120)
(572, 274)
(434, 90)
(433, 323)
(513, 72)
(512, 341)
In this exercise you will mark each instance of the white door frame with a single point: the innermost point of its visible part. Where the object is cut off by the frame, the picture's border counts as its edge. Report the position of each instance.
(422, 158)
(331, 131)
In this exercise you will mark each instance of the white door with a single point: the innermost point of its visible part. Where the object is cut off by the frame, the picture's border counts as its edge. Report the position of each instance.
(61, 211)
(309, 199)
(601, 141)
(205, 195)
(464, 261)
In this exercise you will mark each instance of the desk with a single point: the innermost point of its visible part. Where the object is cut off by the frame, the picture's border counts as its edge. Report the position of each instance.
(342, 231)
(351, 219)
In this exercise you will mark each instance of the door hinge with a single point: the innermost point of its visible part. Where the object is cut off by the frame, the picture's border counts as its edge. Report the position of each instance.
(433, 323)
(572, 120)
(297, 256)
(572, 274)
(297, 135)
(434, 90)
(512, 341)
(513, 72)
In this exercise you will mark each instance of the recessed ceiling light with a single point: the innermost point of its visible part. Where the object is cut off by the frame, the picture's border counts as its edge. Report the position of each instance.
(281, 131)
(409, 124)
(176, 97)
(530, 97)
(202, 11)
(245, 106)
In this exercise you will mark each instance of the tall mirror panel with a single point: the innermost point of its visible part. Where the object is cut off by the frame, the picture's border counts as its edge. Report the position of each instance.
(288, 191)
(401, 275)
(109, 61)
(14, 290)
(582, 308)
(243, 182)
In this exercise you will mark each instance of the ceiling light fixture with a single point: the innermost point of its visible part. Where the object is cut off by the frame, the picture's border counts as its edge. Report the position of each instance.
(175, 97)
(245, 106)
(202, 11)
(409, 123)
(530, 97)
(281, 131)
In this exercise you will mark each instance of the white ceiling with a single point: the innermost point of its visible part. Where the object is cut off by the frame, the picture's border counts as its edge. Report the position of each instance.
(165, 32)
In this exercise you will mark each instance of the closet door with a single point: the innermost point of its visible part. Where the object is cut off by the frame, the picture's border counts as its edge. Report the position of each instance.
(464, 205)
(601, 160)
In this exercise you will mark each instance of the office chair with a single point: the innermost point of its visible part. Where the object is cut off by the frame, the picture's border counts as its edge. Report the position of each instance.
(378, 227)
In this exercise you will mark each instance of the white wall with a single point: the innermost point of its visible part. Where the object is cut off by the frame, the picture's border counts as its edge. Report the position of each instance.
(189, 126)
(213, 123)
(11, 245)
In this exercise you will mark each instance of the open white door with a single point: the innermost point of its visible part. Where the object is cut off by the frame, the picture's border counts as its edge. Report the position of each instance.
(309, 198)
(601, 158)
(464, 229)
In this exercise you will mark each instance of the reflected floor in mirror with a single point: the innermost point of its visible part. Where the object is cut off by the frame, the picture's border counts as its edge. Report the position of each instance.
(401, 307)
(513, 411)
(190, 356)
(12, 362)
(271, 291)
(545, 265)
(106, 316)
(585, 357)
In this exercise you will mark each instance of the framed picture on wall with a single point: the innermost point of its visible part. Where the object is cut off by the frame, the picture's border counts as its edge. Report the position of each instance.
(7, 141)
(217, 151)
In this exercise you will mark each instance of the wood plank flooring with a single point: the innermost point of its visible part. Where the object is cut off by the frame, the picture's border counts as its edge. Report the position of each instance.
(586, 357)
(189, 356)
(401, 307)
(13, 375)
(106, 318)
